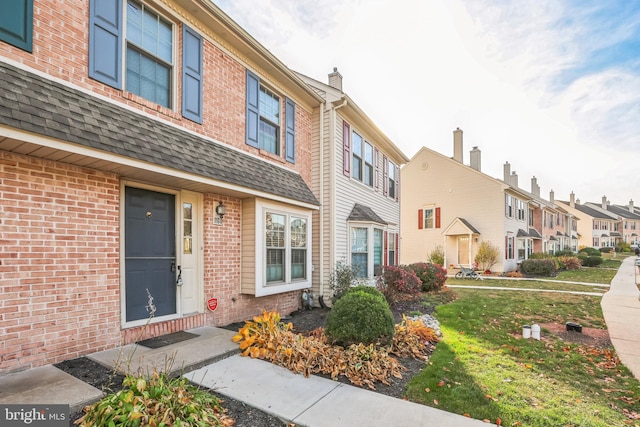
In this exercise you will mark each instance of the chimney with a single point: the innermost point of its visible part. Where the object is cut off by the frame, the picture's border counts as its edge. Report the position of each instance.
(335, 79)
(604, 202)
(572, 200)
(513, 181)
(552, 196)
(474, 156)
(507, 172)
(631, 206)
(535, 188)
(457, 145)
(577, 201)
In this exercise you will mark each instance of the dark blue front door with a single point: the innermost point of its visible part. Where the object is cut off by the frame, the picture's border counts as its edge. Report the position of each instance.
(150, 253)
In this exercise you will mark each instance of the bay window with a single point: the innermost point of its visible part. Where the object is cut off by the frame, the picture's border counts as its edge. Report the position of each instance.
(367, 249)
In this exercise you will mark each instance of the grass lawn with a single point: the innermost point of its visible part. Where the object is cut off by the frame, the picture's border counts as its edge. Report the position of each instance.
(483, 368)
(527, 284)
(589, 275)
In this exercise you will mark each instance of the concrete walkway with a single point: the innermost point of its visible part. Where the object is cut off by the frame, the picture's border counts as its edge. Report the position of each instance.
(621, 309)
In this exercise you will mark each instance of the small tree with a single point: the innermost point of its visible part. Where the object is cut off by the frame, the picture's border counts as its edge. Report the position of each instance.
(342, 278)
(437, 256)
(487, 255)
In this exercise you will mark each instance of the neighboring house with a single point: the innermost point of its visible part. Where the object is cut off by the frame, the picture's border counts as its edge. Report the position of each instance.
(148, 149)
(630, 222)
(597, 227)
(356, 172)
(551, 227)
(457, 207)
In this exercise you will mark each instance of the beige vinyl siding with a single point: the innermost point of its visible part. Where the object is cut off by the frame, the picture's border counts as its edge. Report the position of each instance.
(433, 180)
(248, 243)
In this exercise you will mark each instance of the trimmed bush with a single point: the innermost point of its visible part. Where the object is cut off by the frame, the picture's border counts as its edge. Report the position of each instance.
(487, 255)
(590, 251)
(592, 261)
(368, 290)
(432, 276)
(606, 250)
(360, 317)
(539, 267)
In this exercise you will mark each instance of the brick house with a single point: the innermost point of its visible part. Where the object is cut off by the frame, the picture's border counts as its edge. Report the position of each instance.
(147, 148)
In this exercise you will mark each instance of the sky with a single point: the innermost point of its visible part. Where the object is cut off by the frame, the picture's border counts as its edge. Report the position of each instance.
(552, 87)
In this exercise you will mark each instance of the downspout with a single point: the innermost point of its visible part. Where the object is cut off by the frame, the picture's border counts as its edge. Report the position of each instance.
(332, 179)
(321, 212)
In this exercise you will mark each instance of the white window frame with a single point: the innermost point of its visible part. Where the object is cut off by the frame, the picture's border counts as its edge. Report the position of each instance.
(172, 66)
(263, 287)
(370, 227)
(433, 219)
(391, 172)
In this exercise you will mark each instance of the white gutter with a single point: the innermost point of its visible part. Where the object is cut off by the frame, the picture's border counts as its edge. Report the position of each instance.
(321, 213)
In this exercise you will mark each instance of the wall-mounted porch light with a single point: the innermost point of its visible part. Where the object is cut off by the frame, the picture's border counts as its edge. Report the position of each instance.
(221, 210)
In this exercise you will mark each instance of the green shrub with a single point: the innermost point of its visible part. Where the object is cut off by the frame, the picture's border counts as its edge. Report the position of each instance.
(540, 255)
(368, 290)
(432, 276)
(570, 262)
(590, 251)
(437, 256)
(538, 267)
(564, 253)
(360, 317)
(591, 261)
(154, 400)
(342, 279)
(623, 247)
(396, 281)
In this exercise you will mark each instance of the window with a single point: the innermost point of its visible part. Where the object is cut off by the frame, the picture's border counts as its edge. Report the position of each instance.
(368, 164)
(269, 131)
(367, 249)
(149, 55)
(530, 217)
(16, 23)
(508, 206)
(139, 41)
(522, 249)
(392, 180)
(298, 248)
(429, 218)
(359, 250)
(378, 254)
(356, 170)
(264, 127)
(187, 228)
(509, 247)
(521, 209)
(391, 249)
(286, 243)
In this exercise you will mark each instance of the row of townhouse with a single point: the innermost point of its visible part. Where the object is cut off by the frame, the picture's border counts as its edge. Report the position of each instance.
(157, 162)
(458, 207)
(605, 225)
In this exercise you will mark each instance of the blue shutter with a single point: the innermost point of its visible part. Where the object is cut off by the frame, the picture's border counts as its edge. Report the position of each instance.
(191, 75)
(105, 47)
(290, 123)
(16, 23)
(253, 86)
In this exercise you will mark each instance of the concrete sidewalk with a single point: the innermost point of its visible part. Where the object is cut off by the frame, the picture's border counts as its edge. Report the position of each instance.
(621, 310)
(316, 401)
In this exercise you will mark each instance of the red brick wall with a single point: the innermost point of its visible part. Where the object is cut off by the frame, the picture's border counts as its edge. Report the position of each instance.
(64, 55)
(222, 269)
(59, 265)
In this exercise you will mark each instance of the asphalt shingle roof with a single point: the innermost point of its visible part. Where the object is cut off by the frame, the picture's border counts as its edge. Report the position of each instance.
(35, 104)
(364, 213)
